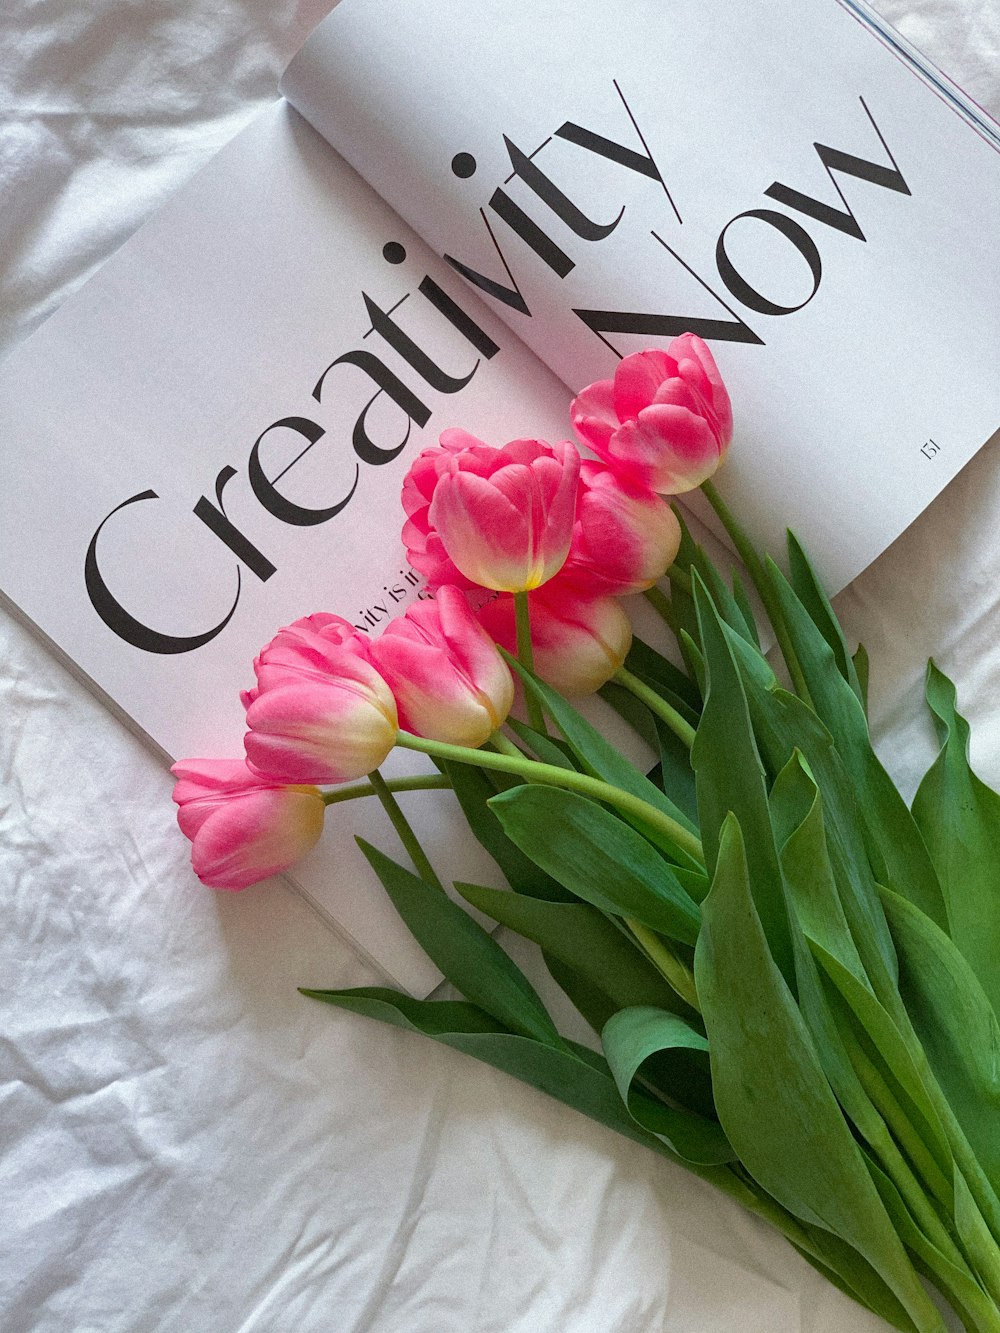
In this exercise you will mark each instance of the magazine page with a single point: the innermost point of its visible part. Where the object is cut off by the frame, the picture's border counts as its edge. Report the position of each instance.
(209, 440)
(768, 175)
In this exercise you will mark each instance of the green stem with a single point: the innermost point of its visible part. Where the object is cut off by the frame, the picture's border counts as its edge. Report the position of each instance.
(505, 746)
(359, 789)
(532, 770)
(681, 728)
(666, 962)
(526, 656)
(407, 837)
(758, 574)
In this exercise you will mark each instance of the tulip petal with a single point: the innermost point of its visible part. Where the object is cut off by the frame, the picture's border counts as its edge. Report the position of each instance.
(670, 448)
(593, 415)
(306, 731)
(483, 532)
(688, 349)
(678, 393)
(200, 778)
(454, 440)
(637, 379)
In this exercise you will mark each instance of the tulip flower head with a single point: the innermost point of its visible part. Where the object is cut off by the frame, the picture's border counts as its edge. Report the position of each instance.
(449, 681)
(624, 537)
(579, 642)
(242, 829)
(503, 517)
(664, 421)
(320, 711)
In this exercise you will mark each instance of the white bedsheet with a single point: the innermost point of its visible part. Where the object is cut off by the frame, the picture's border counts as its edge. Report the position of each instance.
(190, 1146)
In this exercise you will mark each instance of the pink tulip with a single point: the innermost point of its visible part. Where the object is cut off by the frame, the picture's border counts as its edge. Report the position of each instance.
(664, 421)
(578, 642)
(449, 681)
(624, 537)
(242, 829)
(503, 517)
(320, 712)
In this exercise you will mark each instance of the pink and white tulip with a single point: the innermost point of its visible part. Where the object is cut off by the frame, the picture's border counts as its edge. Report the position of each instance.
(449, 681)
(242, 829)
(578, 642)
(664, 421)
(624, 537)
(503, 517)
(320, 711)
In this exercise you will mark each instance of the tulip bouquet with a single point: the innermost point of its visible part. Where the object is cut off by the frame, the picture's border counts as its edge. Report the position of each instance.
(789, 975)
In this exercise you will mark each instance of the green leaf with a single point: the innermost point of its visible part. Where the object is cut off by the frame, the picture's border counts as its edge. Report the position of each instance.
(570, 1073)
(895, 846)
(783, 723)
(658, 671)
(632, 711)
(548, 750)
(675, 775)
(598, 857)
(594, 1006)
(856, 1277)
(470, 958)
(730, 778)
(746, 607)
(734, 612)
(956, 1025)
(474, 790)
(800, 830)
(961, 1289)
(685, 618)
(975, 1236)
(829, 1041)
(673, 1074)
(583, 938)
(694, 658)
(599, 758)
(893, 1049)
(831, 1023)
(726, 604)
(809, 590)
(959, 817)
(796, 811)
(630, 1039)
(434, 1018)
(861, 667)
(773, 1099)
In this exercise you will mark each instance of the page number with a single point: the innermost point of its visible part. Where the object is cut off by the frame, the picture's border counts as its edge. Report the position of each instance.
(929, 448)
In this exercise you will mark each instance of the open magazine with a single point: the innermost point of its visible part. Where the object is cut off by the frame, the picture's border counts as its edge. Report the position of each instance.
(460, 216)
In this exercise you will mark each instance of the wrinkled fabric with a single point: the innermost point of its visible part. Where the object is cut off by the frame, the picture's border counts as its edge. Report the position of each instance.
(188, 1144)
